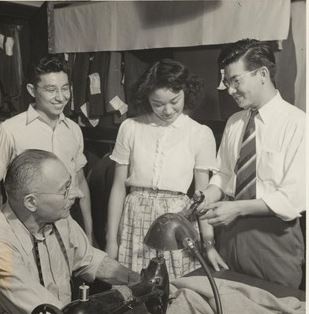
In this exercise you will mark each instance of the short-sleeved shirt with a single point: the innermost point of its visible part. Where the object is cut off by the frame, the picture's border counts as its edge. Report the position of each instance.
(20, 288)
(163, 157)
(28, 131)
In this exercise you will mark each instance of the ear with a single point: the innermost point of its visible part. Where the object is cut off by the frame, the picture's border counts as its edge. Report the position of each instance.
(30, 202)
(264, 72)
(31, 89)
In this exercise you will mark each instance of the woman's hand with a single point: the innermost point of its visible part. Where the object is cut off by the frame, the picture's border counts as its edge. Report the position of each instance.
(112, 249)
(215, 259)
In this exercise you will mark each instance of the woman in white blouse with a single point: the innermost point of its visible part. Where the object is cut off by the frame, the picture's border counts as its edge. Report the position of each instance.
(157, 155)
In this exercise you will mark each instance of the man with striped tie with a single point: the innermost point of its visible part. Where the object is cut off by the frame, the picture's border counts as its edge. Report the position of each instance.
(256, 197)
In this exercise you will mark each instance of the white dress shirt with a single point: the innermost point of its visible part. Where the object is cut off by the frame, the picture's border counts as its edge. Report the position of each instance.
(280, 153)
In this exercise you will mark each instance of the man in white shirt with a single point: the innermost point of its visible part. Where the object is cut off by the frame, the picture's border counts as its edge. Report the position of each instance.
(258, 194)
(44, 126)
(41, 245)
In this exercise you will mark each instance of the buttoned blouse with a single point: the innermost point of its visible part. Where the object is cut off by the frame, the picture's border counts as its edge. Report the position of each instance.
(28, 131)
(280, 153)
(164, 157)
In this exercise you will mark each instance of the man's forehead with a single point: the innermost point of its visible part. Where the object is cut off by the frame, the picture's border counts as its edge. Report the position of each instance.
(54, 78)
(54, 168)
(235, 68)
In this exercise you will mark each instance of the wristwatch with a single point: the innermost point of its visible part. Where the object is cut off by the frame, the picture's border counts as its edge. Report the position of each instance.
(208, 244)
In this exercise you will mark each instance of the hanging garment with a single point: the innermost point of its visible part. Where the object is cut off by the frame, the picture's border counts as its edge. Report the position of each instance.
(97, 83)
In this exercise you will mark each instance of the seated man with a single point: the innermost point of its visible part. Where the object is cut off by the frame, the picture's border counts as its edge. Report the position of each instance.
(40, 244)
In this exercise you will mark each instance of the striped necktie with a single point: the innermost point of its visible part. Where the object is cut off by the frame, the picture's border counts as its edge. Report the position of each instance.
(246, 164)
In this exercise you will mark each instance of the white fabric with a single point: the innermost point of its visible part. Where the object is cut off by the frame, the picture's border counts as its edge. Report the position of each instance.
(127, 25)
(280, 153)
(163, 157)
(194, 296)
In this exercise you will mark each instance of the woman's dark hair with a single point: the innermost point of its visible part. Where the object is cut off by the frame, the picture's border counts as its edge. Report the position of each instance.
(48, 64)
(166, 73)
(255, 54)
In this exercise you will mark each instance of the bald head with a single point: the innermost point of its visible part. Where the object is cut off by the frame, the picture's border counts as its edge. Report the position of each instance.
(25, 171)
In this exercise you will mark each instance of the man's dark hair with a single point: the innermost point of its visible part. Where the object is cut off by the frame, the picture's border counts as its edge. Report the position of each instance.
(25, 169)
(48, 64)
(253, 52)
(166, 73)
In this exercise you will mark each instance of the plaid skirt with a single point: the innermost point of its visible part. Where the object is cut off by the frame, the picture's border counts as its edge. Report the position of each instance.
(142, 206)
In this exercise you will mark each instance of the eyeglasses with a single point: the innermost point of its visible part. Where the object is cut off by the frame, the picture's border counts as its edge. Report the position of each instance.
(65, 193)
(53, 90)
(236, 80)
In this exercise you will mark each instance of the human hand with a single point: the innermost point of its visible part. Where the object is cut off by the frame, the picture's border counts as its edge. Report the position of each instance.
(215, 259)
(112, 249)
(221, 213)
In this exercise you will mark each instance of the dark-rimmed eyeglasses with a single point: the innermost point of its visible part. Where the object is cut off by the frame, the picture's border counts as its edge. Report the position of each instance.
(53, 90)
(236, 80)
(65, 193)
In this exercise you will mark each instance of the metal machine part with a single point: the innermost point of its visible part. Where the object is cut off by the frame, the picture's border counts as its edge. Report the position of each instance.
(152, 290)
(191, 212)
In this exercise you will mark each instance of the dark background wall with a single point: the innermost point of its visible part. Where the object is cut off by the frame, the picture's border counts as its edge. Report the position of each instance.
(215, 106)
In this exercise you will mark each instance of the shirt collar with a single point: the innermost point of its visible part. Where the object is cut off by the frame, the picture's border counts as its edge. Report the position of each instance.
(32, 115)
(179, 122)
(267, 112)
(18, 228)
(21, 232)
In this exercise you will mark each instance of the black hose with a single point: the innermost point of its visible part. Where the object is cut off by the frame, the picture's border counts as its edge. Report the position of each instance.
(213, 285)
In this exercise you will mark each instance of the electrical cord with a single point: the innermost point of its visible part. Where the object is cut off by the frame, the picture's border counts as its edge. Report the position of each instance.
(190, 244)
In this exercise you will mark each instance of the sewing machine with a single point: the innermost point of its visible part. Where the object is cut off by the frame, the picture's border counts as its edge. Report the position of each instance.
(152, 290)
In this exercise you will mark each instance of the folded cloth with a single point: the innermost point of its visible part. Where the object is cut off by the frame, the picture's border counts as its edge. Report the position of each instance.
(193, 295)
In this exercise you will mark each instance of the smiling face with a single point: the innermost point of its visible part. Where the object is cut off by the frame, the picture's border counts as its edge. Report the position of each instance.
(243, 85)
(51, 94)
(166, 104)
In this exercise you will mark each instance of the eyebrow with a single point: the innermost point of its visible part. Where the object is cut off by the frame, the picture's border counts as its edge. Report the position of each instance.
(52, 85)
(234, 76)
(158, 101)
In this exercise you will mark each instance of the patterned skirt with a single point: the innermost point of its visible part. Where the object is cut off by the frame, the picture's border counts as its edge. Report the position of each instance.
(142, 206)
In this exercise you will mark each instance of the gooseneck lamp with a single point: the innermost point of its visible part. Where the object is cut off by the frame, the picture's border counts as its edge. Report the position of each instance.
(173, 231)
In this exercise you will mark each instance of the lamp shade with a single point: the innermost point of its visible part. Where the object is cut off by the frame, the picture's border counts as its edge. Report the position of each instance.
(168, 232)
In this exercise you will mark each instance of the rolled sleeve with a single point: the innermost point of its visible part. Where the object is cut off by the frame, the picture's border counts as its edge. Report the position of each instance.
(206, 150)
(122, 149)
(289, 199)
(80, 159)
(89, 272)
(224, 177)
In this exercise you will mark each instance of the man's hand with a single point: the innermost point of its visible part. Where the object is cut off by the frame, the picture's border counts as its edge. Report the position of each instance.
(115, 273)
(215, 259)
(221, 213)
